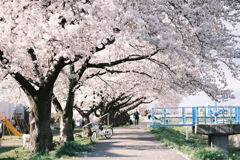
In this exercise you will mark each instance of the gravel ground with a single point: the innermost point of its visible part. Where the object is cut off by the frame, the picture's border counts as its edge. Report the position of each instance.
(128, 143)
(134, 142)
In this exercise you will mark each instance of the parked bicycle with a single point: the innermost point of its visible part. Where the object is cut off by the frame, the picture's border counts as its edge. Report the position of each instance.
(101, 130)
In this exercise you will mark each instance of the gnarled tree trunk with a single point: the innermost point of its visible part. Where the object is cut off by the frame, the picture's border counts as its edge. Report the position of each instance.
(86, 121)
(66, 127)
(66, 120)
(40, 131)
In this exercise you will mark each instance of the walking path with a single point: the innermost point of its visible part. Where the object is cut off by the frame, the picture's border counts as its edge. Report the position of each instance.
(134, 142)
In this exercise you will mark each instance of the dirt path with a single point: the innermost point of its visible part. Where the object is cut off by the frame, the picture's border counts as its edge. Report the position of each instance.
(134, 142)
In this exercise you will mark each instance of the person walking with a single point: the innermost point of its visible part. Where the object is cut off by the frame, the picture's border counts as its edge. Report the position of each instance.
(0, 135)
(136, 117)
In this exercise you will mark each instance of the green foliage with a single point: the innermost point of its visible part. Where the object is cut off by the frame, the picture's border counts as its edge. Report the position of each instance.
(209, 154)
(61, 152)
(12, 153)
(42, 155)
(196, 147)
(234, 153)
(175, 137)
(71, 149)
(233, 149)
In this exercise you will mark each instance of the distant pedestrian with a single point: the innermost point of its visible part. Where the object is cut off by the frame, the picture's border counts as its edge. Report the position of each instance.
(0, 135)
(136, 116)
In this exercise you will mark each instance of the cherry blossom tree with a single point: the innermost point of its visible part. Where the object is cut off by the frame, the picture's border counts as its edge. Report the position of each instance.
(184, 43)
(10, 91)
(74, 80)
(77, 77)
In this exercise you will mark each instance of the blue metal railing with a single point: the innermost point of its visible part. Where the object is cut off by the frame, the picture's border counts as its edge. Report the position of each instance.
(189, 116)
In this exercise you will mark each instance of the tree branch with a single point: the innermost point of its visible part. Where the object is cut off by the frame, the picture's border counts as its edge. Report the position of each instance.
(56, 104)
(127, 59)
(107, 41)
(24, 83)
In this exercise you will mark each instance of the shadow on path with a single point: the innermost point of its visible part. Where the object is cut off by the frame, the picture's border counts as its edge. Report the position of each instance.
(134, 142)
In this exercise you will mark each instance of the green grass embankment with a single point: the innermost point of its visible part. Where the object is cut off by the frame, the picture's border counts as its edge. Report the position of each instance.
(14, 151)
(196, 147)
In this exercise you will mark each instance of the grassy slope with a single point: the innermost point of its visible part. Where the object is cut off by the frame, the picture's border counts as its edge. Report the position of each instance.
(13, 150)
(175, 137)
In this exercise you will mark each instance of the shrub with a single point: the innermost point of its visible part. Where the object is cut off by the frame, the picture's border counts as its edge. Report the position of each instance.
(41, 155)
(209, 154)
(71, 149)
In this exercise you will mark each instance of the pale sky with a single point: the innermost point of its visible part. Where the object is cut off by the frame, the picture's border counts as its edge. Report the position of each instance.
(202, 99)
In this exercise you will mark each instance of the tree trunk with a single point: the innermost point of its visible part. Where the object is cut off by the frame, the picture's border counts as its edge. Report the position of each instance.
(40, 131)
(86, 120)
(66, 128)
(66, 120)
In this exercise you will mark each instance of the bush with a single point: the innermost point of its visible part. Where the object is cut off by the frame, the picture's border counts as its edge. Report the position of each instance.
(71, 149)
(41, 155)
(209, 154)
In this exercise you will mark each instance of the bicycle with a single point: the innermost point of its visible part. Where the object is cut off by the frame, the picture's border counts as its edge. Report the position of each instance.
(100, 129)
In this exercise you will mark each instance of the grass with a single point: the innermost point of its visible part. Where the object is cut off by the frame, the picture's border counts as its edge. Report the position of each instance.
(196, 147)
(12, 150)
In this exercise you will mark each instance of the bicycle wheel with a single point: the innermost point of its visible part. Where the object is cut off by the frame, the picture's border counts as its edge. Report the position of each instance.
(94, 136)
(108, 132)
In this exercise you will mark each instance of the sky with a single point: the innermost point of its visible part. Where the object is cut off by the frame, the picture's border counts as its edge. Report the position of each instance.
(202, 99)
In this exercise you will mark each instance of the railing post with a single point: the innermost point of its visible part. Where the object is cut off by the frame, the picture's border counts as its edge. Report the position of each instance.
(183, 115)
(231, 115)
(152, 116)
(205, 115)
(223, 114)
(237, 114)
(210, 112)
(195, 115)
(164, 114)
